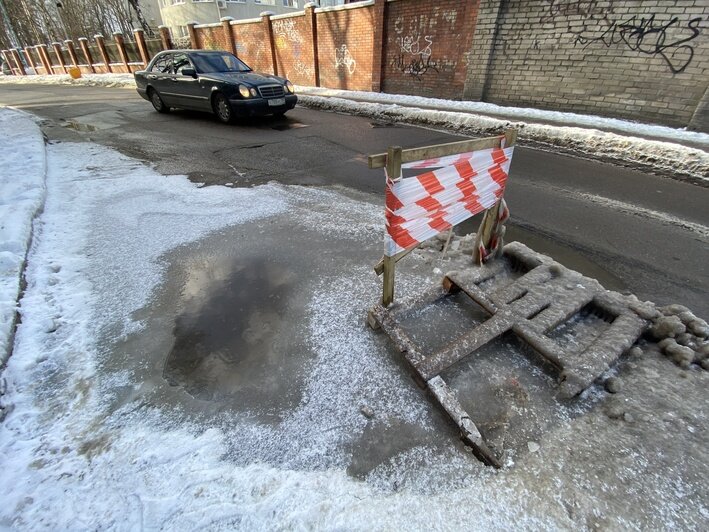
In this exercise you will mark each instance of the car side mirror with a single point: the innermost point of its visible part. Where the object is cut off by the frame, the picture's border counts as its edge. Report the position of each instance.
(191, 72)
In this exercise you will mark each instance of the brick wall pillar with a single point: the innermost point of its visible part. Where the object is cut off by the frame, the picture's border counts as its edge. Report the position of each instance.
(121, 45)
(104, 53)
(30, 58)
(18, 61)
(72, 52)
(142, 46)
(165, 37)
(8, 59)
(268, 25)
(481, 49)
(378, 43)
(194, 40)
(313, 27)
(44, 58)
(228, 34)
(84, 45)
(57, 46)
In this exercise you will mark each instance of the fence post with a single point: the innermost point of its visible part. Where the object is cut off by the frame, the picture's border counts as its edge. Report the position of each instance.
(313, 25)
(194, 44)
(379, 7)
(84, 44)
(229, 33)
(72, 52)
(266, 19)
(30, 60)
(18, 61)
(121, 45)
(57, 46)
(104, 52)
(142, 46)
(393, 173)
(165, 37)
(44, 57)
(8, 59)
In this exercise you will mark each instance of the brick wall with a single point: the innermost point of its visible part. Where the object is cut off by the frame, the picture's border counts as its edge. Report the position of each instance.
(345, 47)
(294, 49)
(425, 47)
(646, 60)
(212, 38)
(252, 45)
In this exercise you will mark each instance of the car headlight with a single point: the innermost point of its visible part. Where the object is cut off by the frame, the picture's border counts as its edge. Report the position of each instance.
(244, 91)
(254, 93)
(290, 87)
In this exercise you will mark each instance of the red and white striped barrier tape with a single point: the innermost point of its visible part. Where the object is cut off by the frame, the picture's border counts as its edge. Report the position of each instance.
(462, 185)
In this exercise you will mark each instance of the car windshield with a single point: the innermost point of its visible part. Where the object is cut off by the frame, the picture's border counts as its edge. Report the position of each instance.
(209, 63)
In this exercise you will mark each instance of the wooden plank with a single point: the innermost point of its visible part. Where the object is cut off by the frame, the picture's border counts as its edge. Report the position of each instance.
(393, 164)
(469, 431)
(379, 267)
(403, 343)
(439, 150)
(510, 137)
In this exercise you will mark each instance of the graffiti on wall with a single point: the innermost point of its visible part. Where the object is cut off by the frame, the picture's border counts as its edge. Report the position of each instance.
(344, 60)
(288, 37)
(595, 22)
(671, 40)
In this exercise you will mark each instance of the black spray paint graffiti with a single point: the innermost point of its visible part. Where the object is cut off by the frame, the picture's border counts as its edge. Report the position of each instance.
(589, 9)
(647, 36)
(415, 66)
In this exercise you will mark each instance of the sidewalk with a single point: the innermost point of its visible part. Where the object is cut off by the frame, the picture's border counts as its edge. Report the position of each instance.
(22, 189)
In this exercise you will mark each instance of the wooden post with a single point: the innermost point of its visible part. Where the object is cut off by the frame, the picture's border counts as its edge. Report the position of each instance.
(488, 225)
(389, 265)
(121, 45)
(18, 61)
(30, 58)
(266, 19)
(104, 52)
(72, 52)
(311, 17)
(44, 58)
(84, 44)
(194, 42)
(142, 46)
(165, 37)
(57, 46)
(228, 33)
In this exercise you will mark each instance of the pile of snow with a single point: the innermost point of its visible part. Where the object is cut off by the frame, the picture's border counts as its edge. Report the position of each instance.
(667, 158)
(522, 114)
(89, 80)
(22, 192)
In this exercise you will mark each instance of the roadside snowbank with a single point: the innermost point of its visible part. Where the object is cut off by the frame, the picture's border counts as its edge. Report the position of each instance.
(91, 80)
(666, 158)
(22, 191)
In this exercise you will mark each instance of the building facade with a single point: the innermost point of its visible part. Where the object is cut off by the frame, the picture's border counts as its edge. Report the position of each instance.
(176, 14)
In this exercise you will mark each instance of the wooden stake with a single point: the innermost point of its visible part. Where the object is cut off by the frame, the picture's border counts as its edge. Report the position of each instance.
(389, 263)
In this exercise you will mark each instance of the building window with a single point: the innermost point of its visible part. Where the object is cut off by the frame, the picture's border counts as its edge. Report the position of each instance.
(290, 3)
(237, 1)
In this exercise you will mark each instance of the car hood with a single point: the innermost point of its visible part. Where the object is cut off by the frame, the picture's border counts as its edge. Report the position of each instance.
(253, 79)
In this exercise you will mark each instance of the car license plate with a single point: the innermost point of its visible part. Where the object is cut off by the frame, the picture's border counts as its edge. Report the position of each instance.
(276, 102)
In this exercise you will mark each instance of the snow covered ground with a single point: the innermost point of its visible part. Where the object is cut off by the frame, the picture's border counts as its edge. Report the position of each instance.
(669, 151)
(94, 437)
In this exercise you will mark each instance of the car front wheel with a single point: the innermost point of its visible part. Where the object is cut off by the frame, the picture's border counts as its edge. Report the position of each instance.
(222, 109)
(157, 102)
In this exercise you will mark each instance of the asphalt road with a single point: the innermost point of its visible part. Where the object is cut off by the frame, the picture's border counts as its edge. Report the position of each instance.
(631, 230)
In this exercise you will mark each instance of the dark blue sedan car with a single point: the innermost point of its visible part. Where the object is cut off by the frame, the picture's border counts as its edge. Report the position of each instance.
(214, 81)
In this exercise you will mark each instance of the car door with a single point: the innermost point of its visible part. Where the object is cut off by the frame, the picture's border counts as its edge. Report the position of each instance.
(160, 78)
(188, 89)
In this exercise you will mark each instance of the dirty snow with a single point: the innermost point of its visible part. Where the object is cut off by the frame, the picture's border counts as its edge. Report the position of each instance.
(22, 193)
(668, 158)
(73, 458)
(91, 80)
